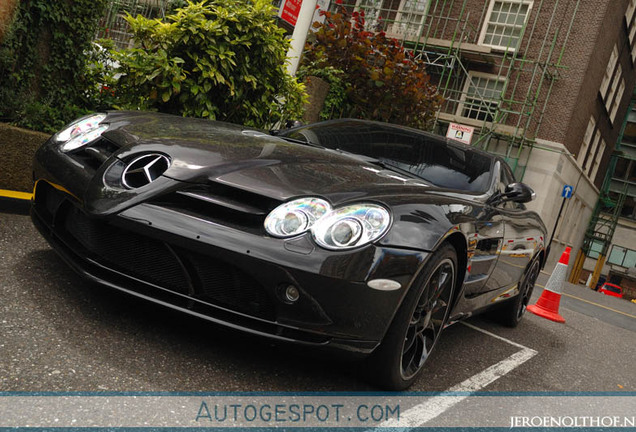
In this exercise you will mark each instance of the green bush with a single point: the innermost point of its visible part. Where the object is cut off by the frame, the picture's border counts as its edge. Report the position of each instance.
(219, 59)
(382, 81)
(42, 62)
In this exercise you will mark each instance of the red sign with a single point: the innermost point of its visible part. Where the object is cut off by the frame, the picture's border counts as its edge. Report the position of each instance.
(290, 10)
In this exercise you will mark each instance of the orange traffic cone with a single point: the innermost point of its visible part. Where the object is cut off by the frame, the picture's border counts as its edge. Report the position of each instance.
(548, 304)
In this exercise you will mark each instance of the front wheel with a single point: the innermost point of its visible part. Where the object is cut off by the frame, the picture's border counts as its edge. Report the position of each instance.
(416, 327)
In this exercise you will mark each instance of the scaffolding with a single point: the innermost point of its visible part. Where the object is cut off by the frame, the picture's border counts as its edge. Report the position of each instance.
(114, 25)
(494, 63)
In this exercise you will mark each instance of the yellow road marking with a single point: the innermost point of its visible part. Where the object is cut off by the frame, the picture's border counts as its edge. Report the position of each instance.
(601, 306)
(595, 304)
(16, 195)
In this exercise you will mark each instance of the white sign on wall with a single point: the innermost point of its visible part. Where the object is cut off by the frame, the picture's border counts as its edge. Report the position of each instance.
(460, 132)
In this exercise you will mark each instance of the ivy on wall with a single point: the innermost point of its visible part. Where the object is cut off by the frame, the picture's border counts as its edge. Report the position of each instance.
(42, 62)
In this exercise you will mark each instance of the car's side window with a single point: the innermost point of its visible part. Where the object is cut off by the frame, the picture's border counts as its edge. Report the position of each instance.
(506, 178)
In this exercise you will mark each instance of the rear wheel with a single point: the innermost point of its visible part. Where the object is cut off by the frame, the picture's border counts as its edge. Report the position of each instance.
(417, 325)
(513, 311)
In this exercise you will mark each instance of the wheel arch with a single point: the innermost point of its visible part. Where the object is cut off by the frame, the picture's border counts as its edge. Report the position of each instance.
(458, 241)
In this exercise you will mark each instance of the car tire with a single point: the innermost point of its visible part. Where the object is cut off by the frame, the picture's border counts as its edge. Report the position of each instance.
(415, 329)
(511, 313)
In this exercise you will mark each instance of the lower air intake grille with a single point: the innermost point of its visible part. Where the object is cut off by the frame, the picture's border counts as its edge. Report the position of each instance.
(224, 285)
(213, 281)
(135, 255)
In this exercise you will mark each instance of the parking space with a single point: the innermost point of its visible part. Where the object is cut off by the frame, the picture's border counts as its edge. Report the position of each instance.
(59, 333)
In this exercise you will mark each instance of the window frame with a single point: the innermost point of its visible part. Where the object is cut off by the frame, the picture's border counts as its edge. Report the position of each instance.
(618, 96)
(609, 73)
(592, 152)
(467, 85)
(629, 13)
(597, 160)
(487, 22)
(370, 21)
(625, 252)
(595, 253)
(395, 27)
(587, 140)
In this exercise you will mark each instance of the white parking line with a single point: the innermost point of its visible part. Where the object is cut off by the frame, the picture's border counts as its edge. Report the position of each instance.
(437, 405)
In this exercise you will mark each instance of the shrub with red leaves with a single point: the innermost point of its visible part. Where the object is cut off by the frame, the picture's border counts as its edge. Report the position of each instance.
(383, 80)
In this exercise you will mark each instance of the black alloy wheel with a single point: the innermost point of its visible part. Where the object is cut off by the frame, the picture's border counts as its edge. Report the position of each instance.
(418, 324)
(514, 310)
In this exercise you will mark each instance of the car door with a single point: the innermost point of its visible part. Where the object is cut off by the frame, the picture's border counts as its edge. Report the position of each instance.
(484, 249)
(519, 241)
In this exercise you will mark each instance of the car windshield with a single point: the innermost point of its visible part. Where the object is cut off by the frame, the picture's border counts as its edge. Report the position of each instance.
(612, 289)
(429, 157)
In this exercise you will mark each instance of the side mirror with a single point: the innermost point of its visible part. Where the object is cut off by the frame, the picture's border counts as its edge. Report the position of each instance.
(519, 192)
(290, 124)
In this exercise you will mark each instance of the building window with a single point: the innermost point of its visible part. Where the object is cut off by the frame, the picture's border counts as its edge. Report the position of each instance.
(597, 160)
(407, 20)
(410, 17)
(617, 100)
(590, 157)
(587, 139)
(481, 96)
(622, 257)
(596, 247)
(629, 134)
(504, 23)
(629, 15)
(610, 97)
(609, 72)
(372, 12)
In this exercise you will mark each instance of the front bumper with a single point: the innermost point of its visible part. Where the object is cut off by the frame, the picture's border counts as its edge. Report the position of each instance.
(232, 277)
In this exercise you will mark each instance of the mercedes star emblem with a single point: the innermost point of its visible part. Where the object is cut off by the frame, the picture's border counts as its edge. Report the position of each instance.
(144, 170)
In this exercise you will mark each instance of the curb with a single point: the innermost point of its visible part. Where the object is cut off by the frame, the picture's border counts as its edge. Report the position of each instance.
(15, 202)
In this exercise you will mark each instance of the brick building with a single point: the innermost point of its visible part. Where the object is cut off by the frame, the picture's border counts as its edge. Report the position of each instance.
(545, 83)
(609, 249)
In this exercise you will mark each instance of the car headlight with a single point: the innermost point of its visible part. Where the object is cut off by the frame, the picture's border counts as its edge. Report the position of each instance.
(351, 226)
(295, 217)
(81, 132)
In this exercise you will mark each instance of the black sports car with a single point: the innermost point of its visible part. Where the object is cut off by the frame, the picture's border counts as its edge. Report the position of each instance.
(356, 235)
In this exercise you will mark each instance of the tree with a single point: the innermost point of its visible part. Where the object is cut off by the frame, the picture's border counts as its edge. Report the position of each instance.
(383, 81)
(219, 59)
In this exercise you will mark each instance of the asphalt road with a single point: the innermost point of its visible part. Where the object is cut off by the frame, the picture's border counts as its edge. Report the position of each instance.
(59, 333)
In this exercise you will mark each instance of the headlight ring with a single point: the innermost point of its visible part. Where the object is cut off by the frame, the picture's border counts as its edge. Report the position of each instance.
(351, 226)
(81, 132)
(336, 229)
(295, 217)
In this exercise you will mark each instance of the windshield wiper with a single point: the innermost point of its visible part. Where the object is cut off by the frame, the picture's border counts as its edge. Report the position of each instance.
(383, 163)
(298, 141)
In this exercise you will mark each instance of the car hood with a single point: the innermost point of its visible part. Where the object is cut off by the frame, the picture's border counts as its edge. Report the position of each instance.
(203, 151)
